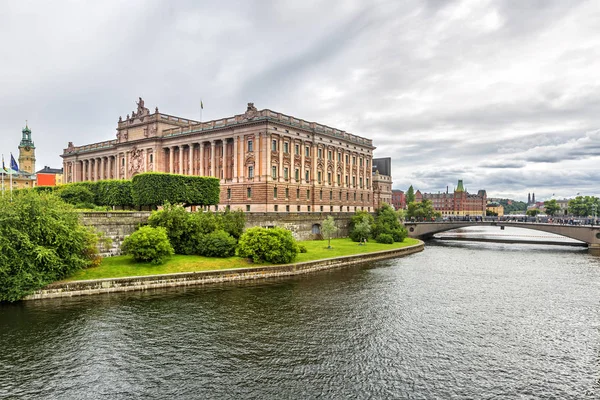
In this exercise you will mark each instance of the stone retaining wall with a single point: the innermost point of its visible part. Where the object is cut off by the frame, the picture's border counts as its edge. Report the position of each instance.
(81, 288)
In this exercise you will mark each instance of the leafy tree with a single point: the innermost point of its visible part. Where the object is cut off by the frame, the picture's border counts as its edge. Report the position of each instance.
(387, 222)
(41, 241)
(422, 211)
(148, 244)
(274, 245)
(515, 207)
(410, 195)
(385, 238)
(533, 212)
(583, 206)
(77, 194)
(176, 220)
(233, 222)
(328, 227)
(355, 220)
(551, 207)
(490, 213)
(362, 229)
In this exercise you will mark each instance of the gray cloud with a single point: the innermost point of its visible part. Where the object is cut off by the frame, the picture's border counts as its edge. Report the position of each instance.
(501, 94)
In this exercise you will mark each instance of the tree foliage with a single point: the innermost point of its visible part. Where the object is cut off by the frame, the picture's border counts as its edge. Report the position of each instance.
(533, 212)
(328, 228)
(410, 195)
(41, 241)
(422, 211)
(387, 221)
(584, 206)
(156, 189)
(217, 244)
(273, 245)
(551, 207)
(362, 230)
(148, 244)
(358, 218)
(512, 206)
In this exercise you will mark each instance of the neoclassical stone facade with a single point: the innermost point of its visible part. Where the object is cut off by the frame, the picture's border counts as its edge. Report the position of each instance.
(266, 161)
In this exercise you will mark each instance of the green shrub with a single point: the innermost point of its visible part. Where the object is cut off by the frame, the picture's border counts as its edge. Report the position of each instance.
(176, 221)
(399, 234)
(76, 193)
(387, 221)
(113, 192)
(274, 245)
(148, 244)
(302, 248)
(41, 241)
(155, 189)
(233, 222)
(385, 238)
(217, 244)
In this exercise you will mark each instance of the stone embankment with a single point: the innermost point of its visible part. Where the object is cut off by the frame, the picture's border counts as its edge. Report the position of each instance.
(111, 285)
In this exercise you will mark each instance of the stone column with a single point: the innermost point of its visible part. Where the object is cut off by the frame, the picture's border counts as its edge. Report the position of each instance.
(213, 158)
(280, 164)
(201, 158)
(236, 149)
(171, 151)
(180, 169)
(191, 159)
(126, 165)
(268, 139)
(314, 164)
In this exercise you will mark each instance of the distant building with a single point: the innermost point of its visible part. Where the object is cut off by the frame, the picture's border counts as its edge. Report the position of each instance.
(24, 177)
(382, 181)
(458, 203)
(398, 199)
(49, 177)
(495, 208)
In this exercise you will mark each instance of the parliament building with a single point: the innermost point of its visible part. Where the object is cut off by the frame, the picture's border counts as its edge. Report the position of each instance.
(266, 161)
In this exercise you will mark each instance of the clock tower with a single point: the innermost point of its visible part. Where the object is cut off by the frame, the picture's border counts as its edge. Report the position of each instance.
(26, 152)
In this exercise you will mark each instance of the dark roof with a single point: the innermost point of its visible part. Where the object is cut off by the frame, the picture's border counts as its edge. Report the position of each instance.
(48, 170)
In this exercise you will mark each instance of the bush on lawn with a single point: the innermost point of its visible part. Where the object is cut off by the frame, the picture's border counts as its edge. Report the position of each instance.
(217, 244)
(385, 238)
(274, 245)
(148, 244)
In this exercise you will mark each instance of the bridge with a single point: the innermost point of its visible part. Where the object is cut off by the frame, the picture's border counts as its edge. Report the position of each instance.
(589, 234)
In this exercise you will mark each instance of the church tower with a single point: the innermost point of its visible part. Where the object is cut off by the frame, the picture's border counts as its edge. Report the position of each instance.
(26, 152)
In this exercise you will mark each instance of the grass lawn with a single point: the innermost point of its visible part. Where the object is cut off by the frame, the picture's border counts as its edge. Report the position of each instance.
(121, 266)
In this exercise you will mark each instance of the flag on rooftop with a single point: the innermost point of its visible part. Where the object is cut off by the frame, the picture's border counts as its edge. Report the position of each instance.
(13, 163)
(201, 105)
(3, 165)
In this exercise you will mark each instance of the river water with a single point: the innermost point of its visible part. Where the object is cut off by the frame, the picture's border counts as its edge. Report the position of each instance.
(456, 321)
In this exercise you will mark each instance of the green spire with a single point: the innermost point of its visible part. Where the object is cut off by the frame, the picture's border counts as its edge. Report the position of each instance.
(26, 137)
(460, 187)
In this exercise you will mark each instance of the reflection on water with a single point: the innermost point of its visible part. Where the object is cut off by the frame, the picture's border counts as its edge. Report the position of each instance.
(459, 320)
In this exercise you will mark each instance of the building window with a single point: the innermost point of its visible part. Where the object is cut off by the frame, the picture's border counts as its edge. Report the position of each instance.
(287, 208)
(321, 208)
(297, 149)
(347, 196)
(276, 207)
(329, 155)
(320, 195)
(251, 171)
(354, 196)
(307, 176)
(274, 145)
(347, 158)
(286, 147)
(274, 172)
(297, 174)
(331, 208)
(298, 193)
(368, 197)
(229, 193)
(308, 208)
(360, 161)
(346, 180)
(151, 157)
(298, 208)
(360, 181)
(367, 183)
(123, 161)
(339, 157)
(275, 192)
(250, 146)
(285, 173)
(368, 163)
(307, 194)
(353, 181)
(249, 192)
(319, 176)
(307, 151)
(353, 160)
(320, 153)
(339, 179)
(330, 195)
(329, 178)
(361, 197)
(248, 207)
(340, 196)
(287, 193)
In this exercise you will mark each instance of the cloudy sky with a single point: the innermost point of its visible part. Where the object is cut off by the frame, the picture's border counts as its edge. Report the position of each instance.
(502, 94)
